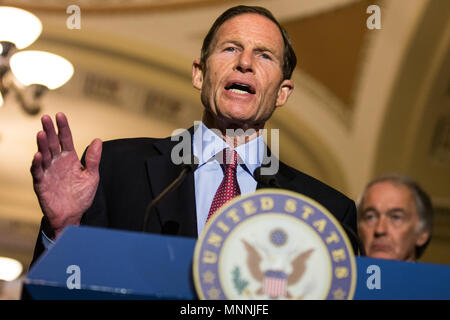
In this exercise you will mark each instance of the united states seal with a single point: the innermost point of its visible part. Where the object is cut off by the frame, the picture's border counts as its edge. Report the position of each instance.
(274, 244)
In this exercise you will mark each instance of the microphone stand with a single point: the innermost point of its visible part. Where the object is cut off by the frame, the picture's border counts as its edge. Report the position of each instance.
(175, 183)
(267, 180)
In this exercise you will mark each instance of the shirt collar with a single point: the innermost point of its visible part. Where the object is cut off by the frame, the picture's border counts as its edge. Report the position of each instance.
(207, 144)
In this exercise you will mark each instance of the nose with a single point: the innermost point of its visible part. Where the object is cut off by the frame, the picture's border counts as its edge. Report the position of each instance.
(381, 227)
(245, 61)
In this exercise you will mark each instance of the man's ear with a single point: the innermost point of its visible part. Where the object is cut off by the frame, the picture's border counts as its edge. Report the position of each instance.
(197, 74)
(284, 92)
(422, 238)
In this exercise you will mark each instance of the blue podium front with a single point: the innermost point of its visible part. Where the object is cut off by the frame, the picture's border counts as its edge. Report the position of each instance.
(396, 280)
(112, 264)
(95, 263)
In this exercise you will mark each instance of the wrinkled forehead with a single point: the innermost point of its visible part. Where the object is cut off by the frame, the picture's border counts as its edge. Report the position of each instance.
(388, 194)
(253, 27)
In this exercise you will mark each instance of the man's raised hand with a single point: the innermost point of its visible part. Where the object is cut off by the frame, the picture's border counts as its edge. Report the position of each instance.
(64, 187)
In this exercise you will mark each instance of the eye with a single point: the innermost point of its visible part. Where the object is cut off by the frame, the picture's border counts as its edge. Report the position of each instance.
(369, 216)
(396, 217)
(230, 49)
(266, 56)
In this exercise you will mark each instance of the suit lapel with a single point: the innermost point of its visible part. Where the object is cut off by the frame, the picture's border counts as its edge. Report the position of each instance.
(176, 213)
(283, 180)
(283, 176)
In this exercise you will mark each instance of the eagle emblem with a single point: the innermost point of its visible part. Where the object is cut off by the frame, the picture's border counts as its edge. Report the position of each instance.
(275, 280)
(273, 244)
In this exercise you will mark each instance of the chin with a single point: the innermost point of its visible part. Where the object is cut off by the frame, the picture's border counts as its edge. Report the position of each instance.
(237, 119)
(238, 111)
(239, 114)
(383, 255)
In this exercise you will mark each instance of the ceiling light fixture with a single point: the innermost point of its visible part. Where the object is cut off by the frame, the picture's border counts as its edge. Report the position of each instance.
(10, 269)
(27, 73)
(19, 27)
(40, 67)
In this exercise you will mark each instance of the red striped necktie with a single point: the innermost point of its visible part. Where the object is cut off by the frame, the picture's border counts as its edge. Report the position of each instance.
(229, 187)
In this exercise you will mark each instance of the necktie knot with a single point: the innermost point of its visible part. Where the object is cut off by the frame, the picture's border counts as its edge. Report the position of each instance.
(229, 159)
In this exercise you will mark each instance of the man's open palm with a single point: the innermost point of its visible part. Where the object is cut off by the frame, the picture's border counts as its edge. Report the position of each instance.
(65, 188)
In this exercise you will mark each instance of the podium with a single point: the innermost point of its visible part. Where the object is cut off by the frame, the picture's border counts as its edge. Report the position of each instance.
(114, 264)
(94, 263)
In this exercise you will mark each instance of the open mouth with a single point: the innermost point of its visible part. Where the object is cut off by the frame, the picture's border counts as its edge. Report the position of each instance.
(240, 88)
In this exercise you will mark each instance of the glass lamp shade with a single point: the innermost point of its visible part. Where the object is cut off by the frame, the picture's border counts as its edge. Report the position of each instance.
(40, 67)
(10, 269)
(19, 26)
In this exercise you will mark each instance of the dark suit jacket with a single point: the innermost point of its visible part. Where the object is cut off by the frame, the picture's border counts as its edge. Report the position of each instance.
(134, 171)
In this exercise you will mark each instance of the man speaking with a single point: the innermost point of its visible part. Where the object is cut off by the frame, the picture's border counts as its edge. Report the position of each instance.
(243, 74)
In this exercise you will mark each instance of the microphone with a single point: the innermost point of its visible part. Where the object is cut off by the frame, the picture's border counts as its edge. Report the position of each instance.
(170, 226)
(269, 181)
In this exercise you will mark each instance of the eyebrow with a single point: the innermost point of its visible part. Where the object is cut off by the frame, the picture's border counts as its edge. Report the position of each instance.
(263, 48)
(402, 210)
(367, 210)
(260, 48)
(223, 43)
(392, 210)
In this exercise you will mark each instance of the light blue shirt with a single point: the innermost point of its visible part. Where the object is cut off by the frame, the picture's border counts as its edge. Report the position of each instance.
(209, 174)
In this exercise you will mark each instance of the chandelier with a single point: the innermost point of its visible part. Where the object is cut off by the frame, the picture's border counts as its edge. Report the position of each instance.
(27, 74)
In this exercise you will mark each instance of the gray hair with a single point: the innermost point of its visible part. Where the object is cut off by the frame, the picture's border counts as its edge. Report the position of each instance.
(423, 203)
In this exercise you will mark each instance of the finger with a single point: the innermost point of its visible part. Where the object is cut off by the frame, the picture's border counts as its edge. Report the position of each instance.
(52, 138)
(93, 155)
(64, 133)
(42, 143)
(37, 172)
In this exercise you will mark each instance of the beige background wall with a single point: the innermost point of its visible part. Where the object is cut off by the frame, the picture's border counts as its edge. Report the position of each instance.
(366, 102)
